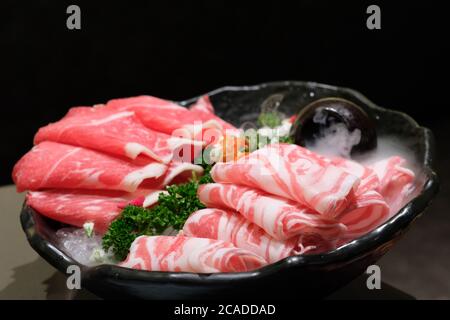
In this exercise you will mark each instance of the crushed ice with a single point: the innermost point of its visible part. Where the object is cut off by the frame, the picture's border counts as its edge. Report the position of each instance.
(82, 248)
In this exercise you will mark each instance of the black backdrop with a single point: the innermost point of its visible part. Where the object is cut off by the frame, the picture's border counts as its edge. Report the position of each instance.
(176, 50)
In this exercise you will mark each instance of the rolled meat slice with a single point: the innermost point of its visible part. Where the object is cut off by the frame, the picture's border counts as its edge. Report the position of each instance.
(232, 227)
(76, 207)
(158, 114)
(189, 254)
(292, 172)
(116, 133)
(56, 165)
(396, 182)
(177, 172)
(369, 178)
(168, 117)
(279, 217)
(368, 209)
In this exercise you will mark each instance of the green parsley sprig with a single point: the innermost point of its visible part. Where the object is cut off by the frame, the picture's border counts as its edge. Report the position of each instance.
(172, 210)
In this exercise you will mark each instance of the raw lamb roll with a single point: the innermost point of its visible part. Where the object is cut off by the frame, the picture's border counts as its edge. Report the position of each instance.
(292, 172)
(396, 182)
(368, 209)
(232, 227)
(279, 217)
(189, 254)
(369, 178)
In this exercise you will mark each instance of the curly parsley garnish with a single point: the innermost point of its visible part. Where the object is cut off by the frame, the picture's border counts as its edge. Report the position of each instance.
(172, 210)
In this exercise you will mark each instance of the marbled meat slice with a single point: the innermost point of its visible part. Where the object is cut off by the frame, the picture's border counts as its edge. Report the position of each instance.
(232, 227)
(55, 165)
(189, 254)
(279, 217)
(118, 133)
(292, 172)
(76, 207)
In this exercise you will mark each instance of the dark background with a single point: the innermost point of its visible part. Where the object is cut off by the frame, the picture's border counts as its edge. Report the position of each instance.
(177, 50)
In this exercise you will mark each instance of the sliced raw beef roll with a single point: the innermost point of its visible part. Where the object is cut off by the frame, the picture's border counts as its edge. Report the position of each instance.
(168, 117)
(56, 165)
(232, 227)
(76, 207)
(117, 133)
(279, 217)
(292, 172)
(188, 254)
(396, 182)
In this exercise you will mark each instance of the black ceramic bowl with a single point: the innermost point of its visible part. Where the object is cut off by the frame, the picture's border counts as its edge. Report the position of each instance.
(294, 277)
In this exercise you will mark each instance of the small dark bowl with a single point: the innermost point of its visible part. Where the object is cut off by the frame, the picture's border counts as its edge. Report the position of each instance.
(294, 277)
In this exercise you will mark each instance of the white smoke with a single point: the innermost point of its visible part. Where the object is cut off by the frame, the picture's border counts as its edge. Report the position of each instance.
(336, 140)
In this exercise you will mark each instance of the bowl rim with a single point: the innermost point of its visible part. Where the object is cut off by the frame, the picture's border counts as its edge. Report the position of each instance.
(348, 252)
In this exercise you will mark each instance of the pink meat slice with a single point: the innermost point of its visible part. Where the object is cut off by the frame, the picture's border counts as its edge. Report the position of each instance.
(177, 172)
(368, 209)
(203, 104)
(75, 111)
(155, 113)
(368, 178)
(189, 254)
(396, 182)
(155, 104)
(295, 173)
(56, 165)
(82, 110)
(279, 217)
(169, 117)
(118, 133)
(180, 172)
(232, 227)
(76, 207)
